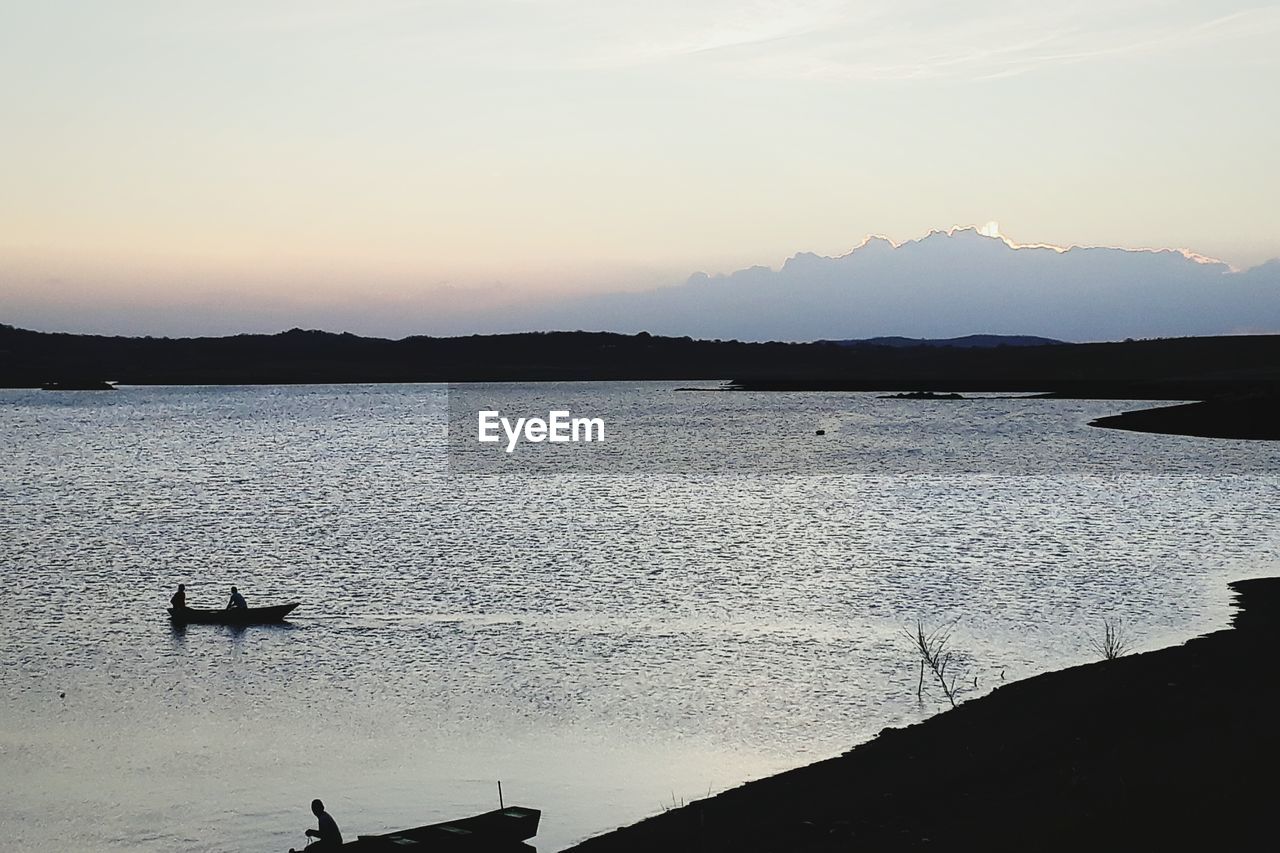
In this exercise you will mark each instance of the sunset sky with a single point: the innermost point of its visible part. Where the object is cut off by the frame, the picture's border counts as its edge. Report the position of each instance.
(215, 166)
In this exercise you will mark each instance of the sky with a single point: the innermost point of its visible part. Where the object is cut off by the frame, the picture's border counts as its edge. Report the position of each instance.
(178, 167)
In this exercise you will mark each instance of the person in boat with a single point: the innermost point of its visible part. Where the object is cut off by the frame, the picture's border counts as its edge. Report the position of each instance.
(328, 836)
(179, 599)
(237, 601)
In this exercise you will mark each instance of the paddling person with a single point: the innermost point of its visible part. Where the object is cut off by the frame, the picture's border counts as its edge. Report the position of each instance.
(237, 601)
(328, 836)
(179, 599)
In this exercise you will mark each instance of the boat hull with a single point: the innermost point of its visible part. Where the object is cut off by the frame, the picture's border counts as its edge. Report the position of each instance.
(502, 830)
(237, 616)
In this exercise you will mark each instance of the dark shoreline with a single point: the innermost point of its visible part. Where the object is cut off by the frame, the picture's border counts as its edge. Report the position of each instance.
(1206, 369)
(1163, 369)
(1252, 417)
(1173, 749)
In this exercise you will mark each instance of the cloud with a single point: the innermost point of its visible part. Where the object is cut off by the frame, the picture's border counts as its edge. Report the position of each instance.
(871, 40)
(995, 40)
(948, 284)
(881, 40)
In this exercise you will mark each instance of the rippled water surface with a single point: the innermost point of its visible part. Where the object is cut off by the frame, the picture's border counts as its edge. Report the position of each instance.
(605, 643)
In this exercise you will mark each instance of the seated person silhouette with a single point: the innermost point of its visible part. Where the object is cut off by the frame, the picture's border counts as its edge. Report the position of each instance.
(237, 601)
(328, 836)
(179, 599)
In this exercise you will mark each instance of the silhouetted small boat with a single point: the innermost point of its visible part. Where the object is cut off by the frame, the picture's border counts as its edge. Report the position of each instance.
(235, 616)
(78, 385)
(503, 830)
(922, 395)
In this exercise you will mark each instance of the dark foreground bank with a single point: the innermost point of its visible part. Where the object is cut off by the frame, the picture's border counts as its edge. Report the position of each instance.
(1252, 416)
(1170, 750)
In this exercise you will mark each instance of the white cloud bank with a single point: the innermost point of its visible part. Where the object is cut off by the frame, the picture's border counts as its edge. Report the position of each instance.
(948, 284)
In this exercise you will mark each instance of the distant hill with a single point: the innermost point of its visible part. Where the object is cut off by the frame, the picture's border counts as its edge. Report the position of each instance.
(961, 343)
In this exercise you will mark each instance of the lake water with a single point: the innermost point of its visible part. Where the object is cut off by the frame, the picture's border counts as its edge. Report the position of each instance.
(607, 642)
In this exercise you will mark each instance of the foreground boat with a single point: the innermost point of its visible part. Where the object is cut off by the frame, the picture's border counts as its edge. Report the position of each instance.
(503, 830)
(236, 616)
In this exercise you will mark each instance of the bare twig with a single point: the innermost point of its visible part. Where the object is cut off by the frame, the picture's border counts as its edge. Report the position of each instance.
(947, 668)
(1115, 640)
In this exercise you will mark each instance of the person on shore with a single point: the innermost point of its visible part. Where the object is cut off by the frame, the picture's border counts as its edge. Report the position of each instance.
(179, 599)
(237, 601)
(328, 836)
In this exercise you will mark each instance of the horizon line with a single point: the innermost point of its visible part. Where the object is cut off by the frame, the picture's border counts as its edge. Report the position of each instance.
(833, 341)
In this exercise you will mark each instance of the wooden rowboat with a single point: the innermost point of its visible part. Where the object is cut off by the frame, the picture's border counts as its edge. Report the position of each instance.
(501, 831)
(231, 616)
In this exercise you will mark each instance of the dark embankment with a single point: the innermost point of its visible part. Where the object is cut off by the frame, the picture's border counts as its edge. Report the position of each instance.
(1165, 369)
(1255, 416)
(1176, 749)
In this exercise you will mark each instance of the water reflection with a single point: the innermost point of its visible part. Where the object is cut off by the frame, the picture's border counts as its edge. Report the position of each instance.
(600, 643)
